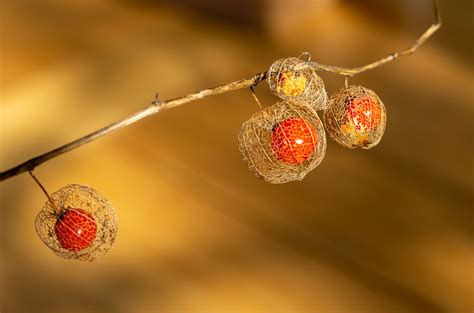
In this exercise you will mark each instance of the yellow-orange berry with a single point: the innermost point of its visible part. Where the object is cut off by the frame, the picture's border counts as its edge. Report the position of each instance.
(291, 84)
(295, 80)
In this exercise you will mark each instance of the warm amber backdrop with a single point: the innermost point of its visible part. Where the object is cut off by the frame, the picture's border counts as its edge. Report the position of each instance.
(384, 230)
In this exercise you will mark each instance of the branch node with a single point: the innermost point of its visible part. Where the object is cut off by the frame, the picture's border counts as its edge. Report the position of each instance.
(157, 100)
(259, 78)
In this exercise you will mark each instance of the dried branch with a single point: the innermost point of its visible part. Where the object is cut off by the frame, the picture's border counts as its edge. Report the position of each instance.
(157, 106)
(354, 71)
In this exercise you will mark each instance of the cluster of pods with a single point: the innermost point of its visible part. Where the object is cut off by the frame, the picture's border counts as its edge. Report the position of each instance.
(285, 141)
(280, 143)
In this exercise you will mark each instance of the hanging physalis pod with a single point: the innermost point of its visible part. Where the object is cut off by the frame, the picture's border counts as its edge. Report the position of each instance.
(355, 117)
(295, 80)
(77, 223)
(283, 142)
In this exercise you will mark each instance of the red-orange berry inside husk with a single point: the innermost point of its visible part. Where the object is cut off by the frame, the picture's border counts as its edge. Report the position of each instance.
(294, 140)
(364, 113)
(356, 117)
(75, 229)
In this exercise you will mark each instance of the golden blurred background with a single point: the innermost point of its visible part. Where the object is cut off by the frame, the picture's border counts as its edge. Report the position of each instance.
(384, 230)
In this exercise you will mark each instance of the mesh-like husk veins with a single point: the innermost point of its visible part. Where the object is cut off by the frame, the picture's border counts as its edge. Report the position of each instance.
(296, 80)
(283, 142)
(356, 117)
(93, 207)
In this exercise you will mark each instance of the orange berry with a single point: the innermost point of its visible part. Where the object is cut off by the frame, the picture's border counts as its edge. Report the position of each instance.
(355, 117)
(75, 229)
(364, 113)
(294, 140)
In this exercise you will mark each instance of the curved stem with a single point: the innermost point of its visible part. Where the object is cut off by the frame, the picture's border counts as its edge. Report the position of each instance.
(354, 71)
(53, 205)
(256, 98)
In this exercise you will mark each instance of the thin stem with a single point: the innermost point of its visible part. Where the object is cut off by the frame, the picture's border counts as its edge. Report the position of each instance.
(256, 98)
(354, 71)
(53, 205)
(305, 54)
(157, 106)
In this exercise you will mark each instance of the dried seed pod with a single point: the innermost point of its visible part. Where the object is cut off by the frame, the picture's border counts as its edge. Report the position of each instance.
(356, 117)
(84, 229)
(295, 80)
(283, 142)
